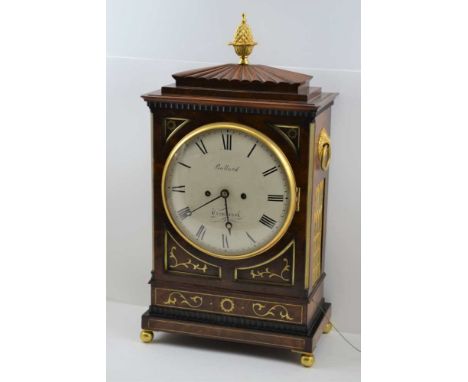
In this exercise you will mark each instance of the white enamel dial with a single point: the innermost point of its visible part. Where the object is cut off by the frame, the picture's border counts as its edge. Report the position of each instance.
(228, 190)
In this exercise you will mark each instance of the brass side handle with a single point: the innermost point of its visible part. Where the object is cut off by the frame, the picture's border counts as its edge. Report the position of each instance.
(324, 150)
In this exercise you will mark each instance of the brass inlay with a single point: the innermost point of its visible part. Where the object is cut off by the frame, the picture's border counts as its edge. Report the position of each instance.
(291, 134)
(324, 149)
(187, 264)
(266, 272)
(281, 310)
(171, 125)
(227, 305)
(195, 265)
(243, 42)
(298, 199)
(300, 352)
(310, 182)
(193, 301)
(235, 299)
(318, 225)
(277, 152)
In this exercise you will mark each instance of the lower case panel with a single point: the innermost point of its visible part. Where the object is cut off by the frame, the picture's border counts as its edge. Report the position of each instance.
(163, 319)
(228, 305)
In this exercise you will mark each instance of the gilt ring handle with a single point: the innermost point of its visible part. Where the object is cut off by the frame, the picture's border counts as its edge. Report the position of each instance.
(324, 150)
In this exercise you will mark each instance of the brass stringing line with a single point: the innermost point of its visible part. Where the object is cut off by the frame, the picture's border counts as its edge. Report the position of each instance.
(341, 334)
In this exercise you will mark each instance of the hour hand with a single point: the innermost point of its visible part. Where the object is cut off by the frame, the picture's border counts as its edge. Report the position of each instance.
(228, 226)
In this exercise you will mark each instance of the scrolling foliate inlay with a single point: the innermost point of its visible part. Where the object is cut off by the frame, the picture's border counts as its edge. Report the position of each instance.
(228, 305)
(266, 273)
(278, 270)
(187, 264)
(173, 124)
(178, 260)
(178, 298)
(317, 216)
(279, 311)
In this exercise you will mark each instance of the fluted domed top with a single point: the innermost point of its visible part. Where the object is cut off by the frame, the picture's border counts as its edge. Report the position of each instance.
(243, 77)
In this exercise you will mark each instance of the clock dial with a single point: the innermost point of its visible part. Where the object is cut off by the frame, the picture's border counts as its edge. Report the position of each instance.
(228, 190)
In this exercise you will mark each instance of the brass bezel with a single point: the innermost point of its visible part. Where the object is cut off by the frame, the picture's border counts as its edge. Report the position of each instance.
(270, 145)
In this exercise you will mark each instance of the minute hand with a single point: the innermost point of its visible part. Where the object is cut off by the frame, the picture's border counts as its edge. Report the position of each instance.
(228, 223)
(203, 205)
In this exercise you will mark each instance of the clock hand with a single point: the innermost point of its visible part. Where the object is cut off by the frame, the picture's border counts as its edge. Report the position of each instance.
(228, 224)
(210, 201)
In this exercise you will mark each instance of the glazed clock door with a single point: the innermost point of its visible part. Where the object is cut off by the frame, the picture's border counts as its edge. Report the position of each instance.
(228, 190)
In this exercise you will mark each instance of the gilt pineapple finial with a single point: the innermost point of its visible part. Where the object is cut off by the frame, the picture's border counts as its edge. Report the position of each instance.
(243, 42)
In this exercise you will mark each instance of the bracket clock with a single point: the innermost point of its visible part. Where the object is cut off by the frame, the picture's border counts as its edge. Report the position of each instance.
(240, 162)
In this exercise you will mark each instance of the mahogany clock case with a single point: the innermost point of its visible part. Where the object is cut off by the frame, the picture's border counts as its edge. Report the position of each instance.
(276, 297)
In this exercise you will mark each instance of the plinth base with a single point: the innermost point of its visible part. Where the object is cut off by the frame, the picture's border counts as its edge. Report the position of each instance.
(302, 344)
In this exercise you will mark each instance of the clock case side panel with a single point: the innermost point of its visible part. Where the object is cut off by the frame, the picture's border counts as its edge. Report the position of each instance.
(162, 144)
(316, 235)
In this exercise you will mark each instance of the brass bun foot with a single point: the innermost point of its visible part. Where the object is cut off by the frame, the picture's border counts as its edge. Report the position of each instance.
(307, 360)
(146, 336)
(327, 328)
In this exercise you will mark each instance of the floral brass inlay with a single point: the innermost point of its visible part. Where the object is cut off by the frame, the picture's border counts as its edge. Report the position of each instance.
(178, 260)
(281, 310)
(271, 275)
(187, 264)
(317, 238)
(278, 270)
(227, 305)
(192, 301)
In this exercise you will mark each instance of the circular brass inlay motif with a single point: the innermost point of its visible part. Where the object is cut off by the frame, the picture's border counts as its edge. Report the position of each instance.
(226, 305)
(292, 133)
(171, 124)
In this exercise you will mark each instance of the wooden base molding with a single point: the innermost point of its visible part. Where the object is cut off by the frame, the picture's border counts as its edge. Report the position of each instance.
(154, 320)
